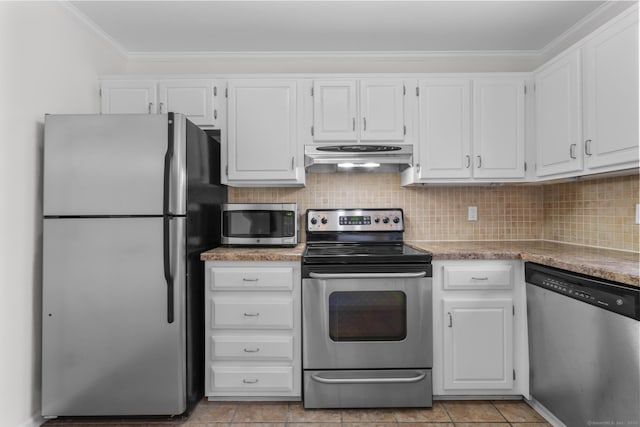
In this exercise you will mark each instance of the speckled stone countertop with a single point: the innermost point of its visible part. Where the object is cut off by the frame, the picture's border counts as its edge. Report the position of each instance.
(608, 264)
(225, 253)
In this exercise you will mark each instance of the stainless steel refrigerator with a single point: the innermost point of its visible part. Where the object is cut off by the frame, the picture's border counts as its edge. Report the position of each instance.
(130, 202)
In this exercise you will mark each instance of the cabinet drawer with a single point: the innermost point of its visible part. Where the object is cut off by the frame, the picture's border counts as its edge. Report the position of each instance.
(276, 378)
(478, 277)
(232, 312)
(251, 278)
(251, 348)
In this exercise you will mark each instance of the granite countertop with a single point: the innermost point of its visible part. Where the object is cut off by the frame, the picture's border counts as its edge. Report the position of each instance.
(236, 253)
(608, 264)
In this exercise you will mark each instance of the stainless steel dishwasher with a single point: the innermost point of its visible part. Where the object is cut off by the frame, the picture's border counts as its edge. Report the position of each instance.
(584, 347)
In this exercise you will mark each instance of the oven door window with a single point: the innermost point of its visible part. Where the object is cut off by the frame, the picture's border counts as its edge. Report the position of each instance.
(368, 316)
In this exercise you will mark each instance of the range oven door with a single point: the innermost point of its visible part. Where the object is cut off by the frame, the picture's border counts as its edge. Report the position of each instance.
(367, 320)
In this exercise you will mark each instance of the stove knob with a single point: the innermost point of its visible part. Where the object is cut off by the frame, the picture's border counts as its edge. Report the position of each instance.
(396, 220)
(376, 220)
(324, 220)
(385, 220)
(314, 221)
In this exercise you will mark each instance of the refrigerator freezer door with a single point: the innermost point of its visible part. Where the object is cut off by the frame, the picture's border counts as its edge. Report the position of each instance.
(108, 348)
(110, 164)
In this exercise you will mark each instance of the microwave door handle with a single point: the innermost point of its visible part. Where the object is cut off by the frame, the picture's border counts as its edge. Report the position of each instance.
(368, 275)
(371, 380)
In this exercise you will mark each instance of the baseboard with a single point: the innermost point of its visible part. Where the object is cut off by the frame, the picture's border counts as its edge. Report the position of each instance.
(546, 414)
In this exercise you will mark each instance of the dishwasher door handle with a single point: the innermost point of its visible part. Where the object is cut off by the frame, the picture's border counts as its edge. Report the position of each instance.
(371, 380)
(417, 275)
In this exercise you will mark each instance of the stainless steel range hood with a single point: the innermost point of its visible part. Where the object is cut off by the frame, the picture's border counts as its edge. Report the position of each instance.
(357, 158)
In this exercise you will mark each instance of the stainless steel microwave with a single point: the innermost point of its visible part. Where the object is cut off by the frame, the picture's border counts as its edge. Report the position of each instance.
(260, 224)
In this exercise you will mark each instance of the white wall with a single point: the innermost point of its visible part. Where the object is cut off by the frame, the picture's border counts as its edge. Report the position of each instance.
(49, 63)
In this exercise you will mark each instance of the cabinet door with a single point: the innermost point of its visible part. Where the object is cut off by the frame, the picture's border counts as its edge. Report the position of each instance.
(558, 117)
(128, 97)
(381, 110)
(262, 129)
(478, 343)
(444, 133)
(610, 70)
(335, 110)
(498, 128)
(193, 98)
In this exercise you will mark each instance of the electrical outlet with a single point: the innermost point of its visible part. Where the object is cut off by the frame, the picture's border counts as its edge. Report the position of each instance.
(472, 214)
(638, 213)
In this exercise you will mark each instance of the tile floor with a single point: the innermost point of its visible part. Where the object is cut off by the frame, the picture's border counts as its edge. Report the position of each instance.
(292, 414)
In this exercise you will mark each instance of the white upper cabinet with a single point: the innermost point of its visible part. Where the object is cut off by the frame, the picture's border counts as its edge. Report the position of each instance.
(196, 98)
(262, 128)
(610, 70)
(558, 120)
(128, 96)
(470, 128)
(444, 128)
(368, 110)
(498, 127)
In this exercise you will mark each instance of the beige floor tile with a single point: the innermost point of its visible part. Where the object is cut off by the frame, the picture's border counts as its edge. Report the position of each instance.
(256, 424)
(261, 412)
(370, 424)
(472, 411)
(412, 415)
(213, 412)
(368, 416)
(297, 414)
(517, 411)
(482, 424)
(314, 424)
(420, 424)
(543, 424)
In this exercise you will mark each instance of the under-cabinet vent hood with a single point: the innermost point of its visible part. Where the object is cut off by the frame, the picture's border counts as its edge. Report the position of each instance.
(357, 158)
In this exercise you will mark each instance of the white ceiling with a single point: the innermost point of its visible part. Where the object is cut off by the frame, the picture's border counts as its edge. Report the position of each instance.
(157, 27)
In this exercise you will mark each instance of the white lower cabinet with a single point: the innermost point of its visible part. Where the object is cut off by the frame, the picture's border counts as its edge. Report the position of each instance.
(253, 338)
(480, 331)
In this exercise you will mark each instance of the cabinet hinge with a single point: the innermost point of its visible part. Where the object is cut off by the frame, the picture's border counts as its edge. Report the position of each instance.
(417, 90)
(404, 127)
(226, 170)
(312, 91)
(100, 92)
(514, 374)
(404, 90)
(525, 89)
(215, 91)
(226, 92)
(525, 166)
(513, 310)
(311, 130)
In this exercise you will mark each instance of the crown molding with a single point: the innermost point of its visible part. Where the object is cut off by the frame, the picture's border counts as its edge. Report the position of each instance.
(95, 28)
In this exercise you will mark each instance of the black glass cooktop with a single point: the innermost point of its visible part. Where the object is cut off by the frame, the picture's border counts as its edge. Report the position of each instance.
(327, 253)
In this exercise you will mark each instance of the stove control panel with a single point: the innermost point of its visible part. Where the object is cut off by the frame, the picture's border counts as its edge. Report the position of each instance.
(355, 220)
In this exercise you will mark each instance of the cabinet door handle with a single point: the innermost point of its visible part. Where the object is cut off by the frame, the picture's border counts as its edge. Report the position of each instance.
(293, 162)
(468, 157)
(364, 123)
(450, 319)
(479, 158)
(215, 114)
(353, 123)
(572, 151)
(587, 147)
(253, 381)
(161, 105)
(150, 107)
(251, 314)
(251, 350)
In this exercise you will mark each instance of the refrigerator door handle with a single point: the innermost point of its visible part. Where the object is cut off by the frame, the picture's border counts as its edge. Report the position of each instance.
(166, 226)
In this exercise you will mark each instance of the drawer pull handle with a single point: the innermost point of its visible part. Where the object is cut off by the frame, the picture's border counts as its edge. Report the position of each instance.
(251, 314)
(480, 278)
(251, 350)
(244, 279)
(246, 381)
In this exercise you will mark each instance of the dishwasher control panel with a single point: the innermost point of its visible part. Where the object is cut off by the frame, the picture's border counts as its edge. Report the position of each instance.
(611, 296)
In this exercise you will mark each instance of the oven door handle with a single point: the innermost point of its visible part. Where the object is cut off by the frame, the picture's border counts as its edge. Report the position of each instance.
(368, 275)
(372, 380)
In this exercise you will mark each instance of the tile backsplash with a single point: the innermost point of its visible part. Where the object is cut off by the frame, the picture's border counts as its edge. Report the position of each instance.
(597, 212)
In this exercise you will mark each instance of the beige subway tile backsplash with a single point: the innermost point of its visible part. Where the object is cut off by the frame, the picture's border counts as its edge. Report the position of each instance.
(596, 212)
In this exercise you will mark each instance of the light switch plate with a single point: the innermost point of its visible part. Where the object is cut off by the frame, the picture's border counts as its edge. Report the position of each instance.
(472, 213)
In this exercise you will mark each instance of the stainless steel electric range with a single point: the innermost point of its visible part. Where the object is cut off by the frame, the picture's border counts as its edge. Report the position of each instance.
(366, 307)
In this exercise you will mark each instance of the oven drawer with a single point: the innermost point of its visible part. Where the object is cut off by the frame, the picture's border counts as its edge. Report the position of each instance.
(251, 278)
(368, 389)
(247, 312)
(481, 276)
(251, 348)
(271, 378)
